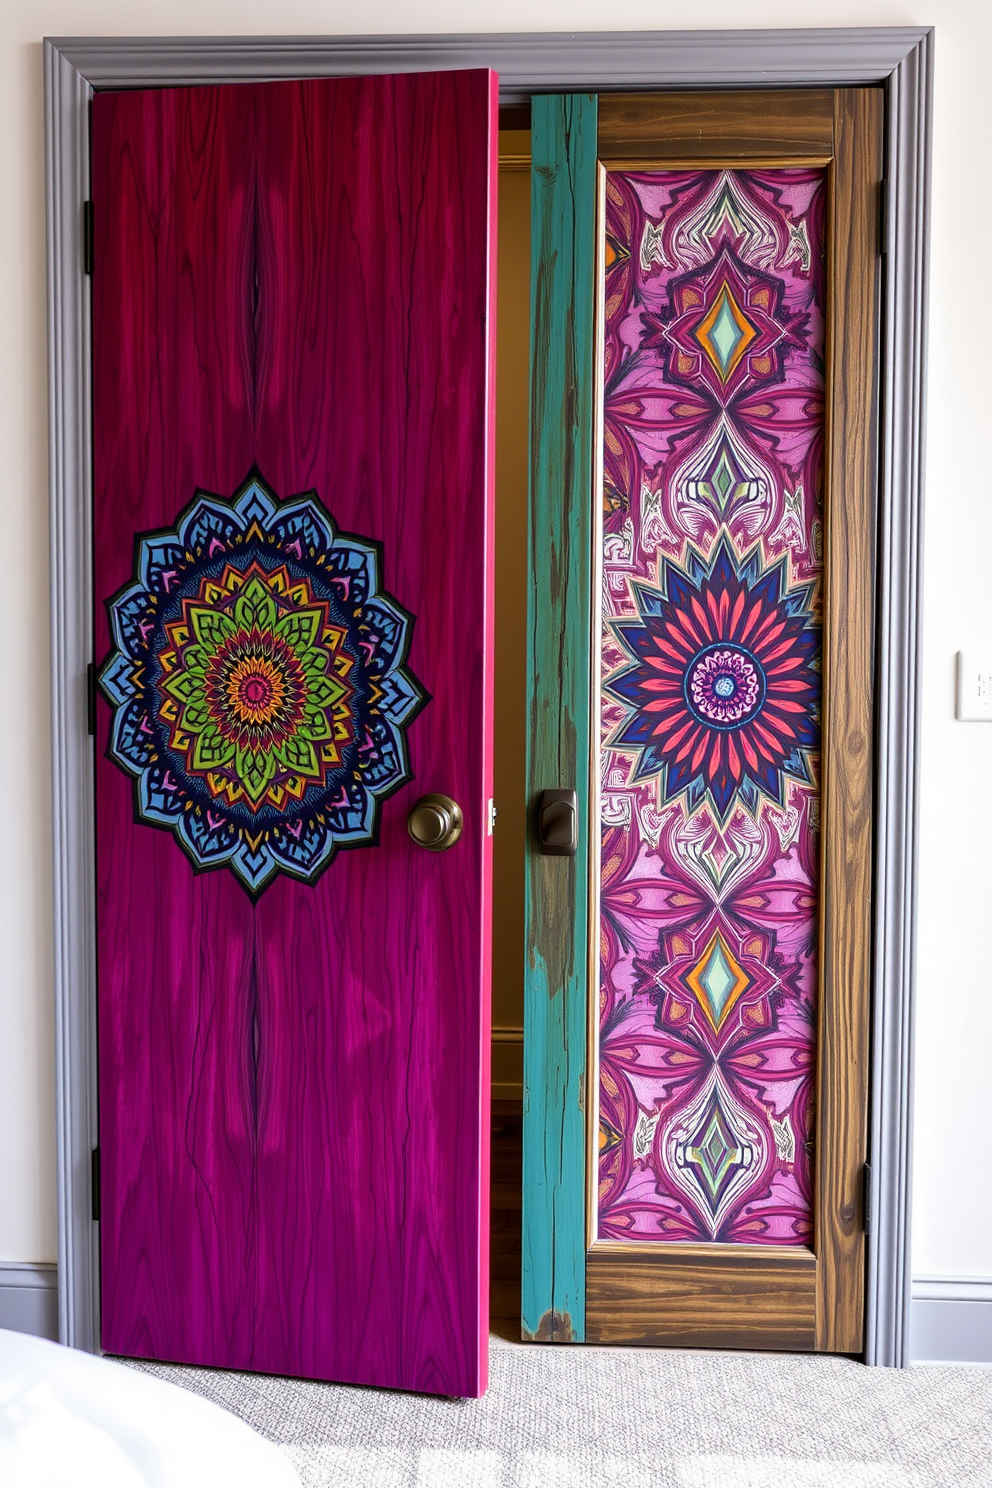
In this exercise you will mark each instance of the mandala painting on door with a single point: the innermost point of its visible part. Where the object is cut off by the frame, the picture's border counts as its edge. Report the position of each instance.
(710, 700)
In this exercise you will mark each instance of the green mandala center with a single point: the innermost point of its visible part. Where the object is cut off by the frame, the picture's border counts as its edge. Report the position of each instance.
(256, 690)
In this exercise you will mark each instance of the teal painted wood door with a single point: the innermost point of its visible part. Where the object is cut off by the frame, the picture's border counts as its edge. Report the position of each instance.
(563, 223)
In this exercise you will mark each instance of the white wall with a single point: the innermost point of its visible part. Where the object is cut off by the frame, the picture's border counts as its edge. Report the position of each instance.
(953, 1213)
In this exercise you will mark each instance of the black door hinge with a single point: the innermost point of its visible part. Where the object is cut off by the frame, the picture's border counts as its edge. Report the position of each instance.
(95, 1183)
(866, 1198)
(90, 698)
(883, 218)
(87, 237)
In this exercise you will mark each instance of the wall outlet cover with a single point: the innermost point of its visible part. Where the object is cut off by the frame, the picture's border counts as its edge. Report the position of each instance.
(974, 689)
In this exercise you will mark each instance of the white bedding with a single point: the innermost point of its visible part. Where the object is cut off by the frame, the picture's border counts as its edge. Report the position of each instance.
(69, 1420)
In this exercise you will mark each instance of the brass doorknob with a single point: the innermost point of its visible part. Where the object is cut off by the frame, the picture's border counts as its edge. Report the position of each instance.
(435, 822)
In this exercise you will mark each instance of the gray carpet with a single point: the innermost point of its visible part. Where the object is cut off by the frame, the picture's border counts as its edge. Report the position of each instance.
(576, 1417)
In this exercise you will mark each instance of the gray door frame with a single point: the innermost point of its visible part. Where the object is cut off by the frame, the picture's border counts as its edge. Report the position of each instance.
(901, 59)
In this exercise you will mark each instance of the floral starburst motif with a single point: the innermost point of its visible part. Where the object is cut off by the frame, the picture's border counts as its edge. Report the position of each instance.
(258, 684)
(722, 689)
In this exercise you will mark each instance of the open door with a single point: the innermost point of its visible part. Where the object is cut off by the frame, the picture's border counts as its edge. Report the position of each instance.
(293, 348)
(696, 1035)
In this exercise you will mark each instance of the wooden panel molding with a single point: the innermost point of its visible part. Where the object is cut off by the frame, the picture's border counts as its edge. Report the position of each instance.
(710, 126)
(848, 718)
(701, 1297)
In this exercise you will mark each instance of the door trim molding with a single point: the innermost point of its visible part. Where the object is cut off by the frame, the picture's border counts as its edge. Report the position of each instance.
(527, 62)
(901, 58)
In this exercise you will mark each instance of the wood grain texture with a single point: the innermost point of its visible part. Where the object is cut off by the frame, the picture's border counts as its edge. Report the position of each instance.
(563, 144)
(727, 127)
(275, 284)
(701, 1296)
(848, 719)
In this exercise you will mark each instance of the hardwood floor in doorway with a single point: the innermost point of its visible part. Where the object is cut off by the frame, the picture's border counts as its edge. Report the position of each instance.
(505, 1212)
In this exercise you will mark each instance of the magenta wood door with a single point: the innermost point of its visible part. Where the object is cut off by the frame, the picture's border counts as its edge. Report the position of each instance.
(292, 326)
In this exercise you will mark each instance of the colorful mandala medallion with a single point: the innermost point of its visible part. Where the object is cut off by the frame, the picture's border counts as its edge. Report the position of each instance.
(258, 685)
(723, 687)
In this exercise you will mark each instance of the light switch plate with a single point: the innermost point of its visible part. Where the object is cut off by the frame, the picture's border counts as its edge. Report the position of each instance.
(974, 693)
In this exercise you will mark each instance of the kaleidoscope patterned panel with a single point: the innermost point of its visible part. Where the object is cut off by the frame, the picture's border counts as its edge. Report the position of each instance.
(258, 684)
(711, 568)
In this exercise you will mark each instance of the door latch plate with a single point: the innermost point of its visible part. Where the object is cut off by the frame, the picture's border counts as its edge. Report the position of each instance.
(558, 823)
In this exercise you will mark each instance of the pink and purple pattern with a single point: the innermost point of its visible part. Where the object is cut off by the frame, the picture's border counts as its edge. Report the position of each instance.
(713, 457)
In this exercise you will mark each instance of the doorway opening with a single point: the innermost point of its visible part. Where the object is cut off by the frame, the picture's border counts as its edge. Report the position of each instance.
(898, 58)
(509, 839)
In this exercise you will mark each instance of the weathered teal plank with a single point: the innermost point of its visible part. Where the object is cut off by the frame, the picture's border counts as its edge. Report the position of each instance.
(563, 214)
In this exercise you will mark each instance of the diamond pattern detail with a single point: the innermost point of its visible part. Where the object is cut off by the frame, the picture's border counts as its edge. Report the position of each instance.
(724, 478)
(718, 1155)
(717, 980)
(725, 333)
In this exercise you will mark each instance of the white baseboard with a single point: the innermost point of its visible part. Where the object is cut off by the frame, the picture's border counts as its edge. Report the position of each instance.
(951, 1320)
(950, 1323)
(29, 1298)
(508, 1064)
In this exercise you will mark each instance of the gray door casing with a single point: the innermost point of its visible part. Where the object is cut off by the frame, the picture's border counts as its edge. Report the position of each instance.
(900, 59)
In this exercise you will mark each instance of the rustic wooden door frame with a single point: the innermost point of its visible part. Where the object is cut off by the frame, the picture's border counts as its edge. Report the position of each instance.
(900, 58)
